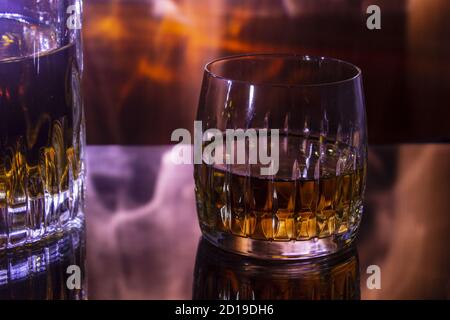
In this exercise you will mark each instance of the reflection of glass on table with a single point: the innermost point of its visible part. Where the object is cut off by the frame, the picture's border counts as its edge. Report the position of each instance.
(48, 271)
(226, 276)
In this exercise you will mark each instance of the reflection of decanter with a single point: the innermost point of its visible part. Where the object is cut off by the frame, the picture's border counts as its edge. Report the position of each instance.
(226, 276)
(45, 270)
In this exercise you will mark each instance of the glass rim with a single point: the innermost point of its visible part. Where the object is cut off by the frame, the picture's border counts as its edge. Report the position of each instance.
(284, 56)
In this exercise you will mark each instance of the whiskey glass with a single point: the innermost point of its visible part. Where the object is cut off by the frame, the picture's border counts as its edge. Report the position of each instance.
(311, 204)
(42, 133)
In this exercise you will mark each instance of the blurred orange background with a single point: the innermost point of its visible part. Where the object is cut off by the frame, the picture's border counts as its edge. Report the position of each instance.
(144, 59)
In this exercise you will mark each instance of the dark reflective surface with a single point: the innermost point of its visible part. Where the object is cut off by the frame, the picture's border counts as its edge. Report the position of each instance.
(226, 276)
(143, 229)
(41, 271)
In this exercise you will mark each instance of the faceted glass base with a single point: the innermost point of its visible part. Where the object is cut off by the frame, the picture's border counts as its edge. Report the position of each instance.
(279, 250)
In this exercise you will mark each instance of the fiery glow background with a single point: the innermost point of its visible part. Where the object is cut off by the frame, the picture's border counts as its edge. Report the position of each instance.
(144, 59)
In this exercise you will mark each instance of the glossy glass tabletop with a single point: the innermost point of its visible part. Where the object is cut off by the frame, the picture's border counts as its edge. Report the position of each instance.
(143, 238)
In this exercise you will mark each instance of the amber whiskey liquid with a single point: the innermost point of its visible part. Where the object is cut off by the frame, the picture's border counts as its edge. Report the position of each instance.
(316, 194)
